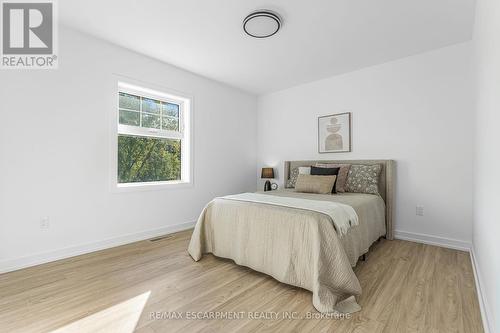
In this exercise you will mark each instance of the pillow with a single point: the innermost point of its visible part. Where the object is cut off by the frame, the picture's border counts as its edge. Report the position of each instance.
(304, 170)
(340, 184)
(325, 172)
(315, 184)
(363, 178)
(294, 173)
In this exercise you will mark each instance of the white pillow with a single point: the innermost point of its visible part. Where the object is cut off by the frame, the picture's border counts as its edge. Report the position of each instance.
(304, 170)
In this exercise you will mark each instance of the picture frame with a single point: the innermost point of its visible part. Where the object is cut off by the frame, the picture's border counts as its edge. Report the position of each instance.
(334, 133)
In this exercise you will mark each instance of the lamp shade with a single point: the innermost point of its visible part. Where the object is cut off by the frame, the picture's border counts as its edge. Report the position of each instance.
(267, 173)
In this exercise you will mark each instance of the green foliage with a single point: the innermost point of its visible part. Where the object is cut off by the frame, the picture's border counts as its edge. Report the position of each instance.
(143, 159)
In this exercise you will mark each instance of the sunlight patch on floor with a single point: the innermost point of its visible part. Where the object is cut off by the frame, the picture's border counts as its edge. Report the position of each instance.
(119, 318)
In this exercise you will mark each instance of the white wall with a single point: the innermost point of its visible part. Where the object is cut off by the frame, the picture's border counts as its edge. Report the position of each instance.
(54, 136)
(417, 111)
(486, 227)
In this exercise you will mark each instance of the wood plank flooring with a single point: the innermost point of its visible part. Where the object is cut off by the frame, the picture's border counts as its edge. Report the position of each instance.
(407, 287)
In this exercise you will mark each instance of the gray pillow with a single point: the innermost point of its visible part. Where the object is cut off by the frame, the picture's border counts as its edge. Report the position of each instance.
(363, 178)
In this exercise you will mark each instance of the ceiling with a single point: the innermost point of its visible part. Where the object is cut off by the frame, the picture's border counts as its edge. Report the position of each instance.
(320, 38)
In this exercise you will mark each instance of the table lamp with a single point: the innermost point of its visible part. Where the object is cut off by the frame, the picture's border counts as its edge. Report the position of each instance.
(267, 173)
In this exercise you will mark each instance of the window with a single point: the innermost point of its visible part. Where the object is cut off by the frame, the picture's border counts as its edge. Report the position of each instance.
(152, 138)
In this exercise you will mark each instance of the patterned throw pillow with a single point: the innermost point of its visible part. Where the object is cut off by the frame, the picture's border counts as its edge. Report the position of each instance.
(363, 178)
(294, 173)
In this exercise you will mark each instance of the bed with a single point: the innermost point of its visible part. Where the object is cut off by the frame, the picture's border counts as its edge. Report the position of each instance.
(282, 234)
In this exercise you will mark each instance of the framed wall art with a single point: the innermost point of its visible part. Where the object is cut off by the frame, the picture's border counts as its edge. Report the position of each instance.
(334, 133)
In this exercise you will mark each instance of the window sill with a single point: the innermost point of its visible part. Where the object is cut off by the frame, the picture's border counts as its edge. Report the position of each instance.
(152, 186)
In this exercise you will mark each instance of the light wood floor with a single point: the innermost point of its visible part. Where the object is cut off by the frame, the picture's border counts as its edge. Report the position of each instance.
(407, 287)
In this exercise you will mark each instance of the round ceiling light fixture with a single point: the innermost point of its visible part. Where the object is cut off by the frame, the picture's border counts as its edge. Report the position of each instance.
(262, 23)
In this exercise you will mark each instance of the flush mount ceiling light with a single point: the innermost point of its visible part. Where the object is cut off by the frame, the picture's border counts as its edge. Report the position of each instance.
(262, 23)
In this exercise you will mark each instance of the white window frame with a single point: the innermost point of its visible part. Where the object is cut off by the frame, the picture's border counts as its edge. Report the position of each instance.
(184, 134)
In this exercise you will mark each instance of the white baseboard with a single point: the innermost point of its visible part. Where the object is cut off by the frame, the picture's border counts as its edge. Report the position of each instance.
(433, 240)
(41, 258)
(483, 303)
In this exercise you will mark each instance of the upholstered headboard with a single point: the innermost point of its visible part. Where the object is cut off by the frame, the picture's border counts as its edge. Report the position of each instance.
(385, 185)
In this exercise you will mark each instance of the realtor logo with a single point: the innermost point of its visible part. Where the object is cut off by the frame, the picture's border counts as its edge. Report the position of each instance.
(28, 35)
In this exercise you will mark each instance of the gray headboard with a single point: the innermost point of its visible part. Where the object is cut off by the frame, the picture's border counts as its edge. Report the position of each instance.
(386, 182)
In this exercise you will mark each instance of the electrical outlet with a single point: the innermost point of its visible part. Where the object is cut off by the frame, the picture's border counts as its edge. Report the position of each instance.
(45, 223)
(419, 211)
